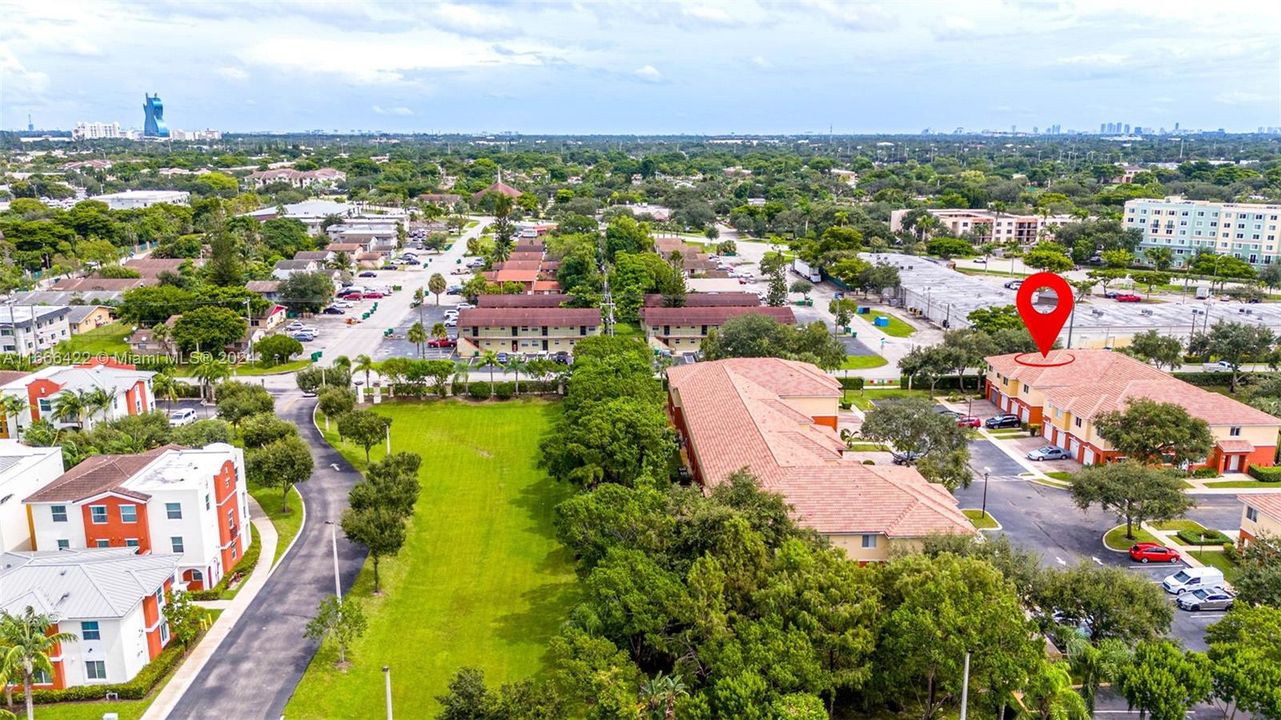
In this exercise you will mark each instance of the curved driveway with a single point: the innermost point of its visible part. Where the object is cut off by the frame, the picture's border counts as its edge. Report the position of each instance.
(257, 666)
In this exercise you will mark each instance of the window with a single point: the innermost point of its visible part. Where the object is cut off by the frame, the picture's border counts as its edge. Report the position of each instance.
(102, 543)
(64, 544)
(206, 501)
(128, 513)
(1025, 388)
(44, 405)
(98, 514)
(131, 542)
(89, 630)
(869, 541)
(1078, 422)
(176, 543)
(1251, 514)
(59, 512)
(1234, 432)
(164, 633)
(96, 670)
(41, 677)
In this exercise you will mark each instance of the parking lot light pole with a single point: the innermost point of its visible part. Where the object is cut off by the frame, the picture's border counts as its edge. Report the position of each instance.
(387, 688)
(987, 471)
(333, 543)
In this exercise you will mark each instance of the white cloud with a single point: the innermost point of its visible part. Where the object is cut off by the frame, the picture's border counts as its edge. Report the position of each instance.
(1241, 97)
(711, 15)
(397, 110)
(232, 73)
(762, 62)
(1096, 60)
(19, 79)
(470, 20)
(648, 73)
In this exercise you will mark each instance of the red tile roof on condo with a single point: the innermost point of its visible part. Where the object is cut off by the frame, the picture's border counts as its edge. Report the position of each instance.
(529, 301)
(528, 317)
(748, 413)
(1099, 381)
(519, 265)
(1235, 446)
(525, 255)
(98, 474)
(710, 299)
(516, 275)
(545, 286)
(711, 315)
(1267, 503)
(501, 188)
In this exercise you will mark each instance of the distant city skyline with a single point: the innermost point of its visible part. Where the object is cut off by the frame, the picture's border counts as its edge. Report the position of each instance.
(751, 67)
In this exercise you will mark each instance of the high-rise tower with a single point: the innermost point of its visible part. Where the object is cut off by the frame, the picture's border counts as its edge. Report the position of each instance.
(154, 124)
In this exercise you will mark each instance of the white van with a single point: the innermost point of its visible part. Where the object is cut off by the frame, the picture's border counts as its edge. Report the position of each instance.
(184, 416)
(1189, 579)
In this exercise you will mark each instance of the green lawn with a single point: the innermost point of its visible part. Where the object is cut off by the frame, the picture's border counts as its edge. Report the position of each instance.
(106, 340)
(862, 399)
(1178, 525)
(980, 522)
(256, 369)
(1116, 540)
(1244, 484)
(287, 524)
(896, 328)
(862, 362)
(626, 329)
(997, 273)
(1059, 475)
(481, 580)
(868, 447)
(1216, 558)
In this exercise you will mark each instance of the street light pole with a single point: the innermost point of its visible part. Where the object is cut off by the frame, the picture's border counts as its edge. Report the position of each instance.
(388, 429)
(987, 471)
(965, 688)
(387, 686)
(333, 543)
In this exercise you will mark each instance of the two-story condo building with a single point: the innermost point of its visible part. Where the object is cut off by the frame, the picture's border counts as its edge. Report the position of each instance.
(191, 502)
(129, 388)
(1260, 517)
(1247, 231)
(23, 470)
(680, 330)
(524, 330)
(777, 420)
(111, 600)
(1065, 401)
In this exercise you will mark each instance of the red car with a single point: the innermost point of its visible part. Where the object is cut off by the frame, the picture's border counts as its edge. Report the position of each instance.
(442, 343)
(1128, 297)
(372, 295)
(1151, 552)
(968, 421)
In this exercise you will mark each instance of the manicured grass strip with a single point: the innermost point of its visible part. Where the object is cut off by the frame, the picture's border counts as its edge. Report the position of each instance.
(979, 521)
(1243, 484)
(481, 580)
(863, 362)
(256, 369)
(1177, 525)
(1218, 559)
(106, 340)
(1059, 475)
(896, 328)
(869, 447)
(287, 523)
(1115, 538)
(862, 399)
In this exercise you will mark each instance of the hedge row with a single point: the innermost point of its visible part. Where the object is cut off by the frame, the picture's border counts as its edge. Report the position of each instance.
(1202, 379)
(1212, 537)
(851, 383)
(947, 382)
(1265, 474)
(246, 566)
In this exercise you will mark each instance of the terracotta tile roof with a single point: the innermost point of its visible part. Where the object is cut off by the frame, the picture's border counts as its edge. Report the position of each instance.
(529, 301)
(1235, 446)
(545, 286)
(524, 255)
(1267, 503)
(98, 474)
(528, 317)
(8, 376)
(519, 265)
(710, 299)
(711, 315)
(1099, 381)
(528, 276)
(501, 188)
(747, 413)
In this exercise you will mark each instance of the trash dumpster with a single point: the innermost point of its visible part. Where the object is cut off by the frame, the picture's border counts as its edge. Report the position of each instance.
(881, 321)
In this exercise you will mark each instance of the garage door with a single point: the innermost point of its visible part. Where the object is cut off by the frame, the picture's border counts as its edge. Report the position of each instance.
(1074, 446)
(1023, 414)
(1063, 442)
(1089, 457)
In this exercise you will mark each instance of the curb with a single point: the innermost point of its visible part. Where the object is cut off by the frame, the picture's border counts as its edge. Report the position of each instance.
(999, 527)
(1105, 534)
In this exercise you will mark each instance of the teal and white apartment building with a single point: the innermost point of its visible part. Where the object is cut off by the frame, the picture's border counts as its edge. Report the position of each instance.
(1244, 230)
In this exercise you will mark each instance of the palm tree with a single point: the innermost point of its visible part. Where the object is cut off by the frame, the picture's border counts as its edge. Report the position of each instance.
(12, 406)
(439, 330)
(68, 407)
(27, 644)
(1095, 664)
(209, 371)
(516, 363)
(462, 373)
(163, 335)
(343, 362)
(490, 358)
(418, 336)
(437, 285)
(99, 401)
(165, 387)
(659, 694)
(365, 363)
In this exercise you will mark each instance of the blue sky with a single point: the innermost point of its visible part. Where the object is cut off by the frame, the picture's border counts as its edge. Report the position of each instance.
(747, 66)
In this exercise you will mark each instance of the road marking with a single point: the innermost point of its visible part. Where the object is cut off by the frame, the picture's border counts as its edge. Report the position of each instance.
(1060, 560)
(335, 467)
(1096, 560)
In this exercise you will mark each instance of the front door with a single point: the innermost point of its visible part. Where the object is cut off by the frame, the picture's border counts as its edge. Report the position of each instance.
(1234, 463)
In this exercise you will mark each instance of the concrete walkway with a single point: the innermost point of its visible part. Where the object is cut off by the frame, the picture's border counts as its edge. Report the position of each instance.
(232, 609)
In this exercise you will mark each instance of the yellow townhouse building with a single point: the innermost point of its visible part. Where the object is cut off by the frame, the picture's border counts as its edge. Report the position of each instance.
(523, 330)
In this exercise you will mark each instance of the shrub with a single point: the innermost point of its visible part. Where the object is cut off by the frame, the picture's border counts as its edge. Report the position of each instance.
(247, 563)
(845, 405)
(504, 390)
(851, 383)
(1265, 474)
(1205, 472)
(478, 390)
(869, 462)
(1212, 537)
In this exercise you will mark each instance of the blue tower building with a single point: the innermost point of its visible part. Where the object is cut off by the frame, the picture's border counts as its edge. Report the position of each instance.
(154, 126)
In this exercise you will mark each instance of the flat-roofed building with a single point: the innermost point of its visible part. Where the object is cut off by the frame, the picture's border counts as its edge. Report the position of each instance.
(137, 199)
(524, 330)
(29, 329)
(989, 225)
(681, 330)
(1247, 231)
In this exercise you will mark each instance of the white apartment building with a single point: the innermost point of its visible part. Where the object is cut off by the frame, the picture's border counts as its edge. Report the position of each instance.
(192, 503)
(130, 391)
(989, 225)
(111, 600)
(1243, 230)
(137, 199)
(29, 329)
(97, 131)
(23, 470)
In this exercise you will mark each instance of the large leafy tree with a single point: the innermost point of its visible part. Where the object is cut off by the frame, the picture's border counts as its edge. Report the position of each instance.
(363, 427)
(763, 336)
(923, 437)
(1133, 491)
(1245, 652)
(1259, 580)
(1155, 433)
(282, 463)
(381, 530)
(1112, 603)
(209, 329)
(307, 292)
(1164, 680)
(1157, 348)
(340, 619)
(1237, 343)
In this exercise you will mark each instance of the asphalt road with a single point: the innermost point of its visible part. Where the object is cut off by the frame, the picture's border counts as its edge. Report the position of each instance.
(258, 665)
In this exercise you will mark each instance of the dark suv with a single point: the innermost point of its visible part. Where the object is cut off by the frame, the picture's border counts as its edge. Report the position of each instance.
(1003, 421)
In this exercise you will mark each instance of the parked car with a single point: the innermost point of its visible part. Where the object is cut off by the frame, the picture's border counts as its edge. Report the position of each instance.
(945, 411)
(451, 322)
(295, 325)
(344, 304)
(1206, 599)
(464, 306)
(562, 357)
(372, 295)
(1128, 297)
(502, 358)
(368, 273)
(1049, 452)
(905, 458)
(1146, 552)
(185, 416)
(1193, 579)
(968, 421)
(442, 343)
(303, 336)
(454, 290)
(334, 310)
(1220, 366)
(1014, 284)
(1003, 421)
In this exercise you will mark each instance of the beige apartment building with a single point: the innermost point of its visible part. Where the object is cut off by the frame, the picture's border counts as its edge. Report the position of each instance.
(1260, 516)
(988, 225)
(681, 330)
(524, 330)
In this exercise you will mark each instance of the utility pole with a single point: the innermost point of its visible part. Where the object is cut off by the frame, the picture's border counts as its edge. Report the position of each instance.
(965, 688)
(333, 542)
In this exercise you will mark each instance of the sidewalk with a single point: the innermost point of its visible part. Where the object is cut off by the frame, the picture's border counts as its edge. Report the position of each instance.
(173, 690)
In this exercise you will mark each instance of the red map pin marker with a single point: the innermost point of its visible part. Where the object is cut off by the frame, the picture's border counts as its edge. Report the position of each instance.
(1044, 326)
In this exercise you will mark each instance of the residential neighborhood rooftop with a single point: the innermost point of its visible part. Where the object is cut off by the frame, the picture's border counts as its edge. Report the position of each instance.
(74, 584)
